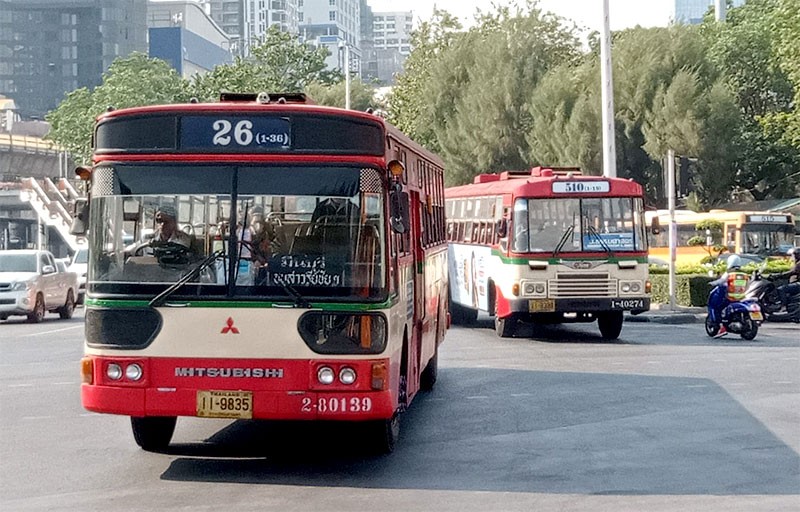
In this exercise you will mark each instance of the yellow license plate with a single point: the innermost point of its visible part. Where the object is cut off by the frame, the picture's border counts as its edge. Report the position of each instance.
(541, 305)
(225, 404)
(756, 315)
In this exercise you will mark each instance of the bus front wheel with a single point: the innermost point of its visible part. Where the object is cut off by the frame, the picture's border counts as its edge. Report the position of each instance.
(505, 327)
(386, 433)
(153, 433)
(610, 324)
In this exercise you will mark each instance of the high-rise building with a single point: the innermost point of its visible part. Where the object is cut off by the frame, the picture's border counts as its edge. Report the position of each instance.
(692, 11)
(391, 32)
(336, 25)
(184, 35)
(246, 21)
(50, 47)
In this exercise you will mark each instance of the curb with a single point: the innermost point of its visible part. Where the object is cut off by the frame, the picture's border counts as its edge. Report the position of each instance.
(674, 318)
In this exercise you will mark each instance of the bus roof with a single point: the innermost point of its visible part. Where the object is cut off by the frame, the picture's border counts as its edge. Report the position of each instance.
(546, 182)
(689, 216)
(231, 104)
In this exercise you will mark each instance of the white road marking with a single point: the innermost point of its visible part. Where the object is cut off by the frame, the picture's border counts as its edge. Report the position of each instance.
(20, 385)
(51, 332)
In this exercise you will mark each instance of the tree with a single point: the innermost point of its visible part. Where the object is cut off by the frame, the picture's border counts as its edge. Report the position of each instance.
(710, 238)
(409, 105)
(130, 81)
(278, 63)
(362, 95)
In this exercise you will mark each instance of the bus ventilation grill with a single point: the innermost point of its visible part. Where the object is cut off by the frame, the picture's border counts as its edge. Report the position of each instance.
(121, 328)
(569, 285)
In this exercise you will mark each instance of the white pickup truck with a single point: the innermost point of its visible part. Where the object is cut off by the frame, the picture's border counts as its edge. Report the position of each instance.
(30, 285)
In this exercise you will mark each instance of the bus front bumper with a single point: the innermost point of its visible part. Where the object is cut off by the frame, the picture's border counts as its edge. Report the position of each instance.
(580, 307)
(291, 394)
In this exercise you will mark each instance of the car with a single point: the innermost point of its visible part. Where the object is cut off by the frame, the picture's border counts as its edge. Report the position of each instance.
(746, 259)
(31, 285)
(657, 262)
(80, 265)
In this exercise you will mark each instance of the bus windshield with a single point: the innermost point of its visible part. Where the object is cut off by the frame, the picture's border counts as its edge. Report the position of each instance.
(240, 231)
(578, 225)
(767, 239)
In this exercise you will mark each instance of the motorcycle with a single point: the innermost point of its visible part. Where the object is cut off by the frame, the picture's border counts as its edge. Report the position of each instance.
(739, 317)
(763, 290)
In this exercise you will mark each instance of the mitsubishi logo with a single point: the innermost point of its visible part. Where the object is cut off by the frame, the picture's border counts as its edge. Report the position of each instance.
(229, 328)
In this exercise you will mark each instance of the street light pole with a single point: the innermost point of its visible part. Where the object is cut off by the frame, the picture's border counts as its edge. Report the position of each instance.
(607, 95)
(347, 76)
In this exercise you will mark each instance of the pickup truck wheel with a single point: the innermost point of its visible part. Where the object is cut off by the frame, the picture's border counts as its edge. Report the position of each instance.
(65, 311)
(37, 315)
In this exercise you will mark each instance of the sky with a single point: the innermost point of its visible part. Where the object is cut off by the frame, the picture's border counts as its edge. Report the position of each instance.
(585, 13)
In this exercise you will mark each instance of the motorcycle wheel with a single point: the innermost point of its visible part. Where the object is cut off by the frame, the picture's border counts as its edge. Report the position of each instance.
(749, 328)
(712, 328)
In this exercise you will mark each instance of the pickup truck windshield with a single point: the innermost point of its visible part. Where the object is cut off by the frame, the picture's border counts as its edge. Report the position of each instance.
(17, 263)
(315, 230)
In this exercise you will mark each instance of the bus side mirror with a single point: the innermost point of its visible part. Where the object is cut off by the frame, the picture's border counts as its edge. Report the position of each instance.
(399, 209)
(501, 228)
(655, 226)
(80, 218)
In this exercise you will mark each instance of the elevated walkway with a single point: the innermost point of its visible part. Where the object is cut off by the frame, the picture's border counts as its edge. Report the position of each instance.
(53, 203)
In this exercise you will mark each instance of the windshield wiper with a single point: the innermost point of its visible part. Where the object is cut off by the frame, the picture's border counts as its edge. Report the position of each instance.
(299, 300)
(159, 299)
(563, 240)
(599, 238)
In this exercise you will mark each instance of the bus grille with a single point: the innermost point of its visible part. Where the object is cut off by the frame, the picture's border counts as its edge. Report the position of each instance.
(577, 285)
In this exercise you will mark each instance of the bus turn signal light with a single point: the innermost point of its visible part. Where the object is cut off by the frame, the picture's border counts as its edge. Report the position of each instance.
(87, 370)
(379, 376)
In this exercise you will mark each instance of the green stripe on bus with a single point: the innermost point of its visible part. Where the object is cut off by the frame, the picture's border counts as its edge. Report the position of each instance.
(123, 303)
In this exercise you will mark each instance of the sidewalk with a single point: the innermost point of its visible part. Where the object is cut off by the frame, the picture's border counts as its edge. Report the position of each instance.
(661, 313)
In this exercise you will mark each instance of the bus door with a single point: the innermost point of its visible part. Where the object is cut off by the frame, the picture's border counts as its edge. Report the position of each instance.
(420, 316)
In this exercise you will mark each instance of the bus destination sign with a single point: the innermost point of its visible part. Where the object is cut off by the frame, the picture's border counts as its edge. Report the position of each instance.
(767, 218)
(580, 187)
(235, 133)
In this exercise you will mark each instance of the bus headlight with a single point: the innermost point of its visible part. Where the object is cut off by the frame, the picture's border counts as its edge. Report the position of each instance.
(630, 287)
(533, 288)
(325, 375)
(347, 375)
(343, 333)
(133, 372)
(114, 371)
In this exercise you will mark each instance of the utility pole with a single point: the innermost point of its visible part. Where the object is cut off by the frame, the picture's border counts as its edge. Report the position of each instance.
(607, 95)
(346, 68)
(673, 228)
(720, 10)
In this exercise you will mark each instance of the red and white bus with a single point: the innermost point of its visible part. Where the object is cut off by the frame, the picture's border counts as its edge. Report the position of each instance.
(547, 245)
(308, 280)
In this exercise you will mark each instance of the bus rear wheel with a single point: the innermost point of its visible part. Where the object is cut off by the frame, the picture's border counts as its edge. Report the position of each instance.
(610, 324)
(153, 433)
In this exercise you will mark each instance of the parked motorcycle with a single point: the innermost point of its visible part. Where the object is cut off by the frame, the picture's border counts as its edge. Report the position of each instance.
(739, 317)
(763, 290)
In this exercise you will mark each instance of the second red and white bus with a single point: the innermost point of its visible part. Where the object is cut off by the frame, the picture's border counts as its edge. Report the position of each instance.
(547, 245)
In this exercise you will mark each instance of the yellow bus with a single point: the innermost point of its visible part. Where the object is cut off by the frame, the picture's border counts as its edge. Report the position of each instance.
(743, 232)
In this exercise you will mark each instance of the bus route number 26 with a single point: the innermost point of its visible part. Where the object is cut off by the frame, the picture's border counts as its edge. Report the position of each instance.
(242, 132)
(337, 404)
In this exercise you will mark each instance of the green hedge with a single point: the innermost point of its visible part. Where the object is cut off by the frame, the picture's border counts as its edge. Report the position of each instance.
(690, 290)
